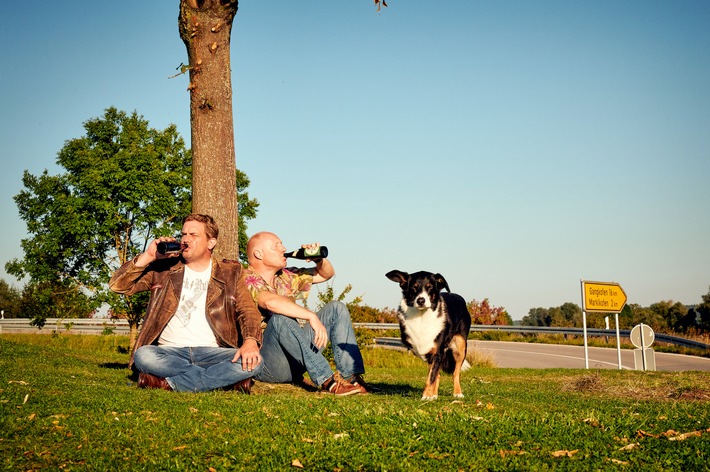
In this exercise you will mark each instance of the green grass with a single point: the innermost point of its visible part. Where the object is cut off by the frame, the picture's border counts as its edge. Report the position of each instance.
(67, 402)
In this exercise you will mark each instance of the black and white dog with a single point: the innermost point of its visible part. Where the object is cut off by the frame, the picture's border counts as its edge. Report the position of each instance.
(434, 326)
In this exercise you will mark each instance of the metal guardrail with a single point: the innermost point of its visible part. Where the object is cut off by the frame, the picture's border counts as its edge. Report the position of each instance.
(60, 325)
(624, 333)
(99, 326)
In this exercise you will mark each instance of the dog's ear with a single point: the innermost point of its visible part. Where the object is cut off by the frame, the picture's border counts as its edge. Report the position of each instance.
(398, 276)
(441, 281)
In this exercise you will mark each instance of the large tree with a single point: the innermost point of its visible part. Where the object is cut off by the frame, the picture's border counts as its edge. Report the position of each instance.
(125, 183)
(205, 28)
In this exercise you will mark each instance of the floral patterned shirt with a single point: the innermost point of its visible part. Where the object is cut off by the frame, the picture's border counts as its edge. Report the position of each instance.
(292, 282)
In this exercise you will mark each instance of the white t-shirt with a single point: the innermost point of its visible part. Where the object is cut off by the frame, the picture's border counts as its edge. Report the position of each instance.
(189, 327)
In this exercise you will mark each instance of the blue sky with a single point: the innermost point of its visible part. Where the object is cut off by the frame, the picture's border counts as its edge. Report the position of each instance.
(514, 147)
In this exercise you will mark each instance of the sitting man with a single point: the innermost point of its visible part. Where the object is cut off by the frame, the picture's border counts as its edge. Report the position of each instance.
(290, 347)
(201, 329)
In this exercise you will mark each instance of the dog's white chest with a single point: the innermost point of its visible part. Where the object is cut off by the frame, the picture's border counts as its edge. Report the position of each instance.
(422, 328)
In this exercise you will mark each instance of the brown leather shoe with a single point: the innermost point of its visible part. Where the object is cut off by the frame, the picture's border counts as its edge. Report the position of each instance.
(243, 386)
(339, 386)
(146, 380)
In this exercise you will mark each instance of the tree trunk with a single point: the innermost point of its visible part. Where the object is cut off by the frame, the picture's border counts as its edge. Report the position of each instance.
(205, 28)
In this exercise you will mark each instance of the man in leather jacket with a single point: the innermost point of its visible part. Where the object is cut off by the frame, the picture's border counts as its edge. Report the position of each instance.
(202, 330)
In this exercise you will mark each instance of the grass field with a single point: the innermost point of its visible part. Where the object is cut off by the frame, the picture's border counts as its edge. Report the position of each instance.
(67, 403)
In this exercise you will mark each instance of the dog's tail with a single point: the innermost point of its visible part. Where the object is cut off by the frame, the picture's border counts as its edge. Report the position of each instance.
(449, 364)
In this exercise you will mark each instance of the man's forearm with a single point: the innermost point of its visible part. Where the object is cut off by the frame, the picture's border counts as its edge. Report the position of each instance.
(324, 270)
(284, 306)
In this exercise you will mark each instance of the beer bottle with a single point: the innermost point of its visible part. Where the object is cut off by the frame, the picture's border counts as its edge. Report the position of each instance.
(320, 252)
(169, 247)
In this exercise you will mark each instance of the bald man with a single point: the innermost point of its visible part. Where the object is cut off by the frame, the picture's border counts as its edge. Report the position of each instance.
(294, 338)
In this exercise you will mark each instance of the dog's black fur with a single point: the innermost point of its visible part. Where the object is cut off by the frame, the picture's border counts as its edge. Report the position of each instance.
(434, 326)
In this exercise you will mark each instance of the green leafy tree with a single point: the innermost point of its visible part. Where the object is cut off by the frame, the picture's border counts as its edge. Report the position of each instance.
(568, 314)
(702, 312)
(125, 184)
(59, 299)
(633, 314)
(672, 313)
(9, 300)
(537, 317)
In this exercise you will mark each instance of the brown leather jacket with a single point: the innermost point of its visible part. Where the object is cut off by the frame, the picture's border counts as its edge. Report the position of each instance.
(231, 312)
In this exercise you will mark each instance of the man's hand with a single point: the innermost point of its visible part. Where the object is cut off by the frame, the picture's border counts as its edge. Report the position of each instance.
(320, 336)
(151, 252)
(249, 353)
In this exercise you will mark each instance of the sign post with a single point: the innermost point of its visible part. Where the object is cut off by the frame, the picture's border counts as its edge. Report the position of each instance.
(602, 297)
(642, 337)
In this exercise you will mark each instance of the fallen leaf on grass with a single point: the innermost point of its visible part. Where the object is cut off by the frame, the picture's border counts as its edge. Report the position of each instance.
(672, 434)
(193, 409)
(21, 382)
(307, 440)
(296, 463)
(504, 453)
(643, 434)
(617, 461)
(684, 436)
(32, 416)
(629, 447)
(340, 435)
(565, 453)
(180, 448)
(27, 397)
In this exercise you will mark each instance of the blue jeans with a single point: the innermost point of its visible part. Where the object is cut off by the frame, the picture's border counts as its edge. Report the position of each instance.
(288, 349)
(193, 369)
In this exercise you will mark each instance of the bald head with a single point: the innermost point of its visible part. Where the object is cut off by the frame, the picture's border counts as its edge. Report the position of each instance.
(266, 249)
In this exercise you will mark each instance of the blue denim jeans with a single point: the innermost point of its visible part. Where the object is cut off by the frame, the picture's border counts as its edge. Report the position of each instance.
(288, 349)
(193, 369)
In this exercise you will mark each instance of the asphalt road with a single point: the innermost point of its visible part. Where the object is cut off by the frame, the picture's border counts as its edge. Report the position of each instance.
(546, 356)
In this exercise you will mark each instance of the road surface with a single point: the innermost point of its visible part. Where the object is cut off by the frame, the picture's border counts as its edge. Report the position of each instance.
(545, 356)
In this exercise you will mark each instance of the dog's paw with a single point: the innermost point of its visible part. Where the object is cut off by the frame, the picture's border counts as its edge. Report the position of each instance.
(430, 397)
(458, 395)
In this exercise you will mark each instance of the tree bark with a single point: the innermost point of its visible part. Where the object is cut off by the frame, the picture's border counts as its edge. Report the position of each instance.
(205, 28)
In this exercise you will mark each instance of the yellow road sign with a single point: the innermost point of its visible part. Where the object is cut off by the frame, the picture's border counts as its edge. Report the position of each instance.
(604, 297)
